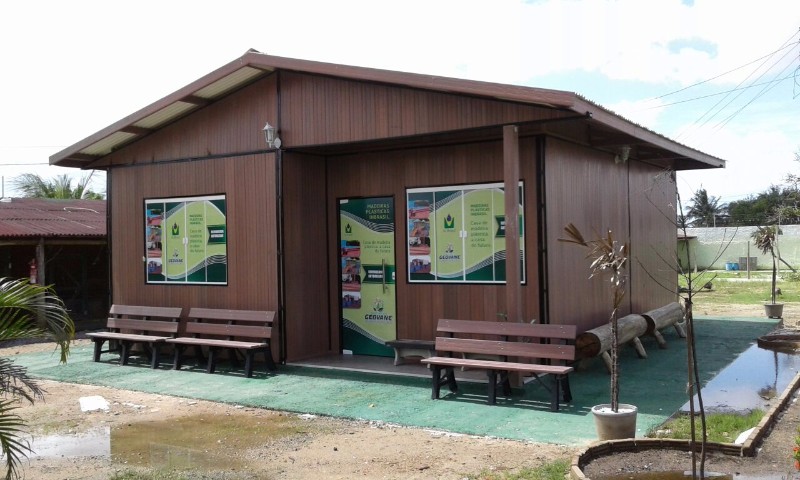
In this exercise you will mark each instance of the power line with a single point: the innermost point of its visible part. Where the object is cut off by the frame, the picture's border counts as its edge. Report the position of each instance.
(792, 75)
(785, 45)
(710, 110)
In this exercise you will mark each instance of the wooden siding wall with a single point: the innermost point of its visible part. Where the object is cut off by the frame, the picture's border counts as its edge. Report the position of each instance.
(419, 306)
(232, 125)
(249, 185)
(653, 237)
(318, 110)
(584, 187)
(306, 253)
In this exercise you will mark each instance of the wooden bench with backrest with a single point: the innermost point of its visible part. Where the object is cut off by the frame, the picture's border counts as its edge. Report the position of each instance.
(512, 343)
(247, 330)
(134, 324)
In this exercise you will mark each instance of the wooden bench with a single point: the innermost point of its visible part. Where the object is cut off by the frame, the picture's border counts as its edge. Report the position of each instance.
(132, 324)
(247, 330)
(511, 342)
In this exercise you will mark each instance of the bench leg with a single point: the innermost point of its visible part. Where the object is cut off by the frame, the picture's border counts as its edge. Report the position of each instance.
(565, 389)
(211, 366)
(248, 363)
(98, 348)
(126, 352)
(492, 374)
(506, 384)
(555, 393)
(177, 359)
(154, 354)
(437, 380)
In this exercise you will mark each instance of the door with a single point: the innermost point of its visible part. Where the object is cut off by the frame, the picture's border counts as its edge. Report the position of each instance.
(367, 271)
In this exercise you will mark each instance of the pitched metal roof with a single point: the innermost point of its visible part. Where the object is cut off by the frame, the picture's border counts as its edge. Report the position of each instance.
(254, 65)
(49, 218)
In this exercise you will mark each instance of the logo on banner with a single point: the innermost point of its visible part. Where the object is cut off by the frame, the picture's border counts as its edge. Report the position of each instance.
(175, 230)
(449, 222)
(378, 316)
(348, 229)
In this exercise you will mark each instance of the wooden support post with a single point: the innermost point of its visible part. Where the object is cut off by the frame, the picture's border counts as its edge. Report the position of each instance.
(511, 184)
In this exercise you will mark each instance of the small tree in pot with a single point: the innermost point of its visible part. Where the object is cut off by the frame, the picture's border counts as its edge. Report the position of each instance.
(766, 240)
(609, 258)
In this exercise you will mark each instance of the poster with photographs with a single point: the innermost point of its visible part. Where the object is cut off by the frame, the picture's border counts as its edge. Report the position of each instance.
(186, 240)
(456, 234)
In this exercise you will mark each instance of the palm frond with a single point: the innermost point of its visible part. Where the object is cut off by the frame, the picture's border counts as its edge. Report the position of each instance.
(15, 380)
(30, 310)
(13, 448)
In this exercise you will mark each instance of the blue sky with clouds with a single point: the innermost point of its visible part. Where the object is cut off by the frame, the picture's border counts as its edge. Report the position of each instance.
(73, 68)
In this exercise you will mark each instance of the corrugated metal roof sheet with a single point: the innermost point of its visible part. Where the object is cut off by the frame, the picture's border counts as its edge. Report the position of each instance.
(40, 217)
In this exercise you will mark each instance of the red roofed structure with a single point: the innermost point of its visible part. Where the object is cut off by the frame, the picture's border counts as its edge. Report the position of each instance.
(61, 243)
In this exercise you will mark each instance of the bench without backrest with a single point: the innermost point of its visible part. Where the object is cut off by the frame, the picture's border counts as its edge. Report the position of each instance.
(246, 330)
(131, 324)
(507, 347)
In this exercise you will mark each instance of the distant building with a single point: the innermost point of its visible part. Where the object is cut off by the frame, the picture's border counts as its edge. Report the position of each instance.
(60, 243)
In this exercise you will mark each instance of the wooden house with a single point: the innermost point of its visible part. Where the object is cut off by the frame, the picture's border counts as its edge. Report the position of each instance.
(363, 205)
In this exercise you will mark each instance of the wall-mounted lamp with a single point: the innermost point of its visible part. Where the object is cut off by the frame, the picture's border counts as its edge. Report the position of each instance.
(271, 136)
(624, 153)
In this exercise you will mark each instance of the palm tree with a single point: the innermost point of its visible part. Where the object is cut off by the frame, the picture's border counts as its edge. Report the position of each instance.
(704, 209)
(26, 311)
(33, 185)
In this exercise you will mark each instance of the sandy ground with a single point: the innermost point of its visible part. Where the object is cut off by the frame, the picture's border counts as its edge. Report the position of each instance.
(305, 447)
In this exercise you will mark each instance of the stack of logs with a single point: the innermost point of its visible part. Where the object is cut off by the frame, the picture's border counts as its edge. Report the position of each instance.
(597, 341)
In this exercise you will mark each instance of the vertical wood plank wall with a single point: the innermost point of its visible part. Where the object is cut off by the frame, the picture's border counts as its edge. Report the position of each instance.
(249, 185)
(317, 110)
(653, 238)
(307, 264)
(634, 200)
(584, 187)
(419, 305)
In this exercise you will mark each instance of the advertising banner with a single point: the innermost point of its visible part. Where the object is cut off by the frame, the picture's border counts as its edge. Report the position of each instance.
(457, 234)
(368, 302)
(186, 240)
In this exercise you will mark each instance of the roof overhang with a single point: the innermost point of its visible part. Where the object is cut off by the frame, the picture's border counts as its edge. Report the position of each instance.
(607, 130)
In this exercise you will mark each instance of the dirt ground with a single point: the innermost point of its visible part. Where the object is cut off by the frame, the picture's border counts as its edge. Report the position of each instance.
(306, 447)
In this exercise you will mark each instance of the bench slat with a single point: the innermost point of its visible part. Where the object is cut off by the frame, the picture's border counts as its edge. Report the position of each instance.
(509, 349)
(212, 342)
(496, 365)
(249, 331)
(146, 311)
(143, 325)
(563, 332)
(256, 316)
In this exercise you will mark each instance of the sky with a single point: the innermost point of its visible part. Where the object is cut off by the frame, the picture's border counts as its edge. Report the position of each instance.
(720, 76)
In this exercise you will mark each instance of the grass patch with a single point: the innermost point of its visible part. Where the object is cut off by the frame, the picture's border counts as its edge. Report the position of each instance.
(720, 427)
(554, 470)
(735, 289)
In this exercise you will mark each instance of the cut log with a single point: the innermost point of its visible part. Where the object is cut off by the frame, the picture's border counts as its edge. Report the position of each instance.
(663, 317)
(597, 341)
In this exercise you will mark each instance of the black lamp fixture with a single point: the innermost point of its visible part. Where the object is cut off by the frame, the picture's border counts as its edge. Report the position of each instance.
(271, 136)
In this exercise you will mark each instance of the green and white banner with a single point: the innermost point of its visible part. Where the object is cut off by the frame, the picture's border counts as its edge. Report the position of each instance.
(368, 300)
(186, 240)
(457, 234)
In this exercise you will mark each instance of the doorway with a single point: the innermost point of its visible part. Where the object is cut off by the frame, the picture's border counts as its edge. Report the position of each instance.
(368, 298)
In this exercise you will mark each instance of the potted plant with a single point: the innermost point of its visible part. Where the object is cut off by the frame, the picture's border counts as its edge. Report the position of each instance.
(766, 240)
(608, 258)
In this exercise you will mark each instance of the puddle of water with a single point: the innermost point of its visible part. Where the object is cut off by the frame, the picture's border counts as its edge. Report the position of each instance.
(201, 442)
(89, 444)
(753, 381)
